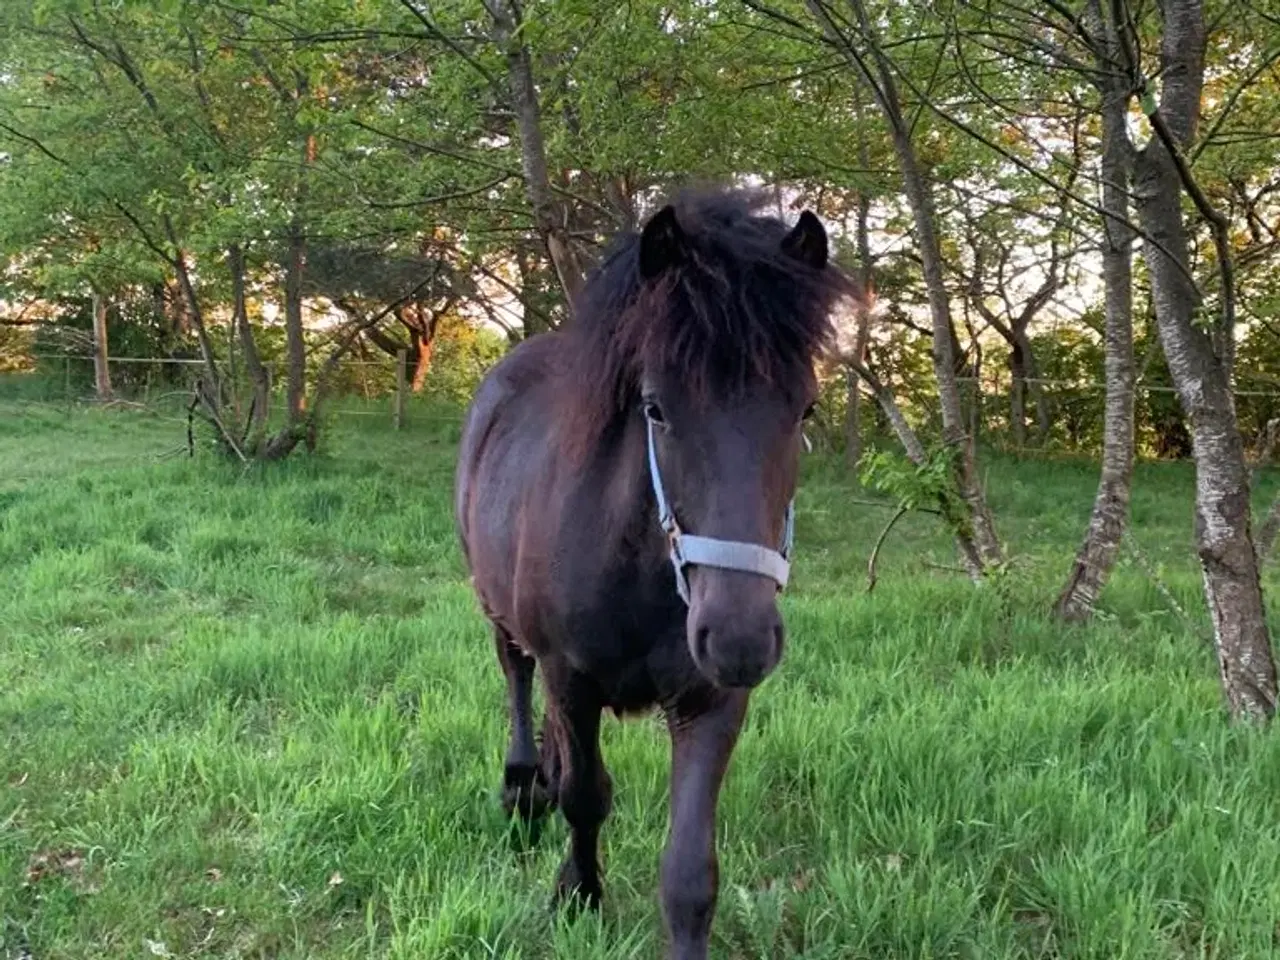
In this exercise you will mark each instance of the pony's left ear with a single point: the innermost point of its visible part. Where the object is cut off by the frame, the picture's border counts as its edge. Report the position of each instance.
(661, 243)
(807, 241)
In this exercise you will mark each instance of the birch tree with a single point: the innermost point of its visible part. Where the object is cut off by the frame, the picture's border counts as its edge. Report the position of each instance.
(1199, 354)
(1110, 515)
(862, 48)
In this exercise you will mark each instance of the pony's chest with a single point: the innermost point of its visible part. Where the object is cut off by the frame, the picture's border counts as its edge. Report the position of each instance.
(633, 672)
(633, 690)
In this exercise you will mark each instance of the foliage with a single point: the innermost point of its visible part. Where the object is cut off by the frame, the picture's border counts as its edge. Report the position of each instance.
(1071, 359)
(133, 132)
(912, 485)
(930, 486)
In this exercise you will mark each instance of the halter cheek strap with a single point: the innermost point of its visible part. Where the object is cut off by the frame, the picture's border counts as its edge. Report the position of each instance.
(688, 550)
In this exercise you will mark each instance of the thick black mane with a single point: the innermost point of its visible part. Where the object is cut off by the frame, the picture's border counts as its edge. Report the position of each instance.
(736, 308)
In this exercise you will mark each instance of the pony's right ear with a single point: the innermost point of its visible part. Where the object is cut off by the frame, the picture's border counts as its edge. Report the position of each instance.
(661, 243)
(807, 241)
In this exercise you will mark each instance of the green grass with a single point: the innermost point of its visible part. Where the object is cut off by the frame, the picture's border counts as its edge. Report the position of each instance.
(258, 715)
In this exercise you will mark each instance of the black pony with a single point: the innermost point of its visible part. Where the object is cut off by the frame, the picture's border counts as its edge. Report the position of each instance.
(623, 498)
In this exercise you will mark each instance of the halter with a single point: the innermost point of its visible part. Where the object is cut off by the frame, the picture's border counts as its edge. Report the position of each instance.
(688, 550)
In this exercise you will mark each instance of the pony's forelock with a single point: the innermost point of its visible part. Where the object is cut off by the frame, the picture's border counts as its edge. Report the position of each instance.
(736, 308)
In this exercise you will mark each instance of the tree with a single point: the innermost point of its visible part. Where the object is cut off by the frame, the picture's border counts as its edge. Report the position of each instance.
(1201, 360)
(866, 55)
(213, 144)
(550, 217)
(1012, 275)
(1110, 516)
(101, 362)
(862, 334)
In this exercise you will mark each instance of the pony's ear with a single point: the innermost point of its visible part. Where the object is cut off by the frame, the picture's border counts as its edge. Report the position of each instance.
(807, 241)
(661, 243)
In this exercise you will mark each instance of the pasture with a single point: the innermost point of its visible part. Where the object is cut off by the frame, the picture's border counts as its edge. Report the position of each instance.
(258, 714)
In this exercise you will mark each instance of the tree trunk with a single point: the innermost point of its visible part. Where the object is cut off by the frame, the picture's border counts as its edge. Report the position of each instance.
(893, 413)
(1022, 370)
(548, 213)
(213, 384)
(1097, 554)
(182, 318)
(421, 323)
(261, 383)
(862, 337)
(979, 521)
(295, 343)
(1266, 539)
(534, 321)
(965, 545)
(101, 367)
(423, 347)
(954, 431)
(1044, 421)
(1018, 401)
(975, 394)
(1202, 380)
(852, 419)
(618, 189)
(160, 306)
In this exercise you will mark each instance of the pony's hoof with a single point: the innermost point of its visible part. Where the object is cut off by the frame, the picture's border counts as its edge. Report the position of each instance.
(523, 795)
(574, 892)
(526, 804)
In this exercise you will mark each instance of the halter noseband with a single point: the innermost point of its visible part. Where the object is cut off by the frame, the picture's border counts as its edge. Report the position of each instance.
(688, 550)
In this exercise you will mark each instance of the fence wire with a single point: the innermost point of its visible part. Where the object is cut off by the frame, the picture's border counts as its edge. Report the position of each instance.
(369, 389)
(163, 385)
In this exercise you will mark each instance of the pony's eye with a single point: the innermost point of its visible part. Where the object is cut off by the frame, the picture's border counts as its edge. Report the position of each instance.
(653, 412)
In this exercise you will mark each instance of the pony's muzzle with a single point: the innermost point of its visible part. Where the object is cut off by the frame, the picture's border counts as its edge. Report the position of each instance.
(735, 631)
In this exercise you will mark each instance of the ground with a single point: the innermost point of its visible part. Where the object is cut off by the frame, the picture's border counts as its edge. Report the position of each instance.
(257, 714)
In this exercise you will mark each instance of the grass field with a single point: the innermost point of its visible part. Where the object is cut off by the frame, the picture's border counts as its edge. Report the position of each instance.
(258, 715)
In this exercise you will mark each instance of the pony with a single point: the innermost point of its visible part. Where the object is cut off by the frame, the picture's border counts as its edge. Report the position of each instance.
(624, 500)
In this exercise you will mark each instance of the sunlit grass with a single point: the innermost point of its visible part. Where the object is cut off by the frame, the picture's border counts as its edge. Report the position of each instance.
(258, 715)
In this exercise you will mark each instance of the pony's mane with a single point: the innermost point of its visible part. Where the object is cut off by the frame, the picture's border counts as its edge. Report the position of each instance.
(737, 308)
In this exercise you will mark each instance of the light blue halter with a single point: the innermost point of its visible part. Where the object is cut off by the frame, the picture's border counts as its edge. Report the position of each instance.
(688, 550)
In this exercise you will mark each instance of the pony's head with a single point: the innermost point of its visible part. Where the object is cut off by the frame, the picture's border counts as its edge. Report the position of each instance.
(707, 324)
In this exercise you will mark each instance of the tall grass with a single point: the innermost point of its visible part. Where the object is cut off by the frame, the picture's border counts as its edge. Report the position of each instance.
(257, 714)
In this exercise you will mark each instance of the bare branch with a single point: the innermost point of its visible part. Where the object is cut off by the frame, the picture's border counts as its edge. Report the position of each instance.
(875, 551)
(26, 138)
(802, 30)
(438, 34)
(1043, 178)
(443, 197)
(1268, 61)
(348, 338)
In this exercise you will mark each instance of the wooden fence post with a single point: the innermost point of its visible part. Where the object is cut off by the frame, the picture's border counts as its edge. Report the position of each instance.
(397, 416)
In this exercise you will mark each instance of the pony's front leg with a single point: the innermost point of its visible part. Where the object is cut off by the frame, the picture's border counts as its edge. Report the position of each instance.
(700, 747)
(586, 790)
